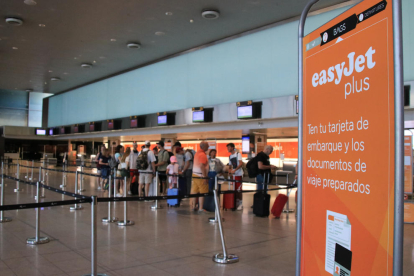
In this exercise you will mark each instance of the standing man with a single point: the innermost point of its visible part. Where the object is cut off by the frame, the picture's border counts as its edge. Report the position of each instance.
(161, 166)
(264, 166)
(236, 163)
(146, 161)
(200, 169)
(133, 172)
(188, 167)
(98, 166)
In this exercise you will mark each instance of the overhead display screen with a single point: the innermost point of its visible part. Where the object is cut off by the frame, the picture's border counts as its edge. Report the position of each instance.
(41, 131)
(91, 127)
(244, 112)
(162, 120)
(134, 122)
(51, 131)
(198, 116)
(110, 125)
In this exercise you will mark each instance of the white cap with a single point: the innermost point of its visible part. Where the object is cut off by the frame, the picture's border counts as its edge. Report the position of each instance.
(147, 143)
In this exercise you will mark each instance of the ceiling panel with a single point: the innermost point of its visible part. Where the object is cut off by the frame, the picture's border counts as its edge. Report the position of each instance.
(59, 35)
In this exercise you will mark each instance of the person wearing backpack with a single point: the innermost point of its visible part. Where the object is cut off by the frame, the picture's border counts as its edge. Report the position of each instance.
(146, 167)
(263, 165)
(163, 161)
(98, 167)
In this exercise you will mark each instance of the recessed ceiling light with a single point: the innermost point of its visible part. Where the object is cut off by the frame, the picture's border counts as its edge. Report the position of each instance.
(75, 58)
(113, 39)
(30, 2)
(14, 21)
(133, 45)
(50, 71)
(169, 13)
(210, 14)
(65, 73)
(94, 61)
(159, 33)
(42, 25)
(55, 79)
(45, 82)
(191, 21)
(15, 48)
(86, 65)
(29, 90)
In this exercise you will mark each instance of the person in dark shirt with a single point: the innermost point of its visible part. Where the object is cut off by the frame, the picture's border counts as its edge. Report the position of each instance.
(264, 166)
(104, 163)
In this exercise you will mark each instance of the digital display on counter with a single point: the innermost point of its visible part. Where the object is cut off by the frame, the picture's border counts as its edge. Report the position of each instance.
(40, 131)
(245, 144)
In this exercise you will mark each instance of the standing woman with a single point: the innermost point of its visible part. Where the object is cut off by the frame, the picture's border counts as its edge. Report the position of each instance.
(215, 167)
(104, 163)
(98, 166)
(119, 151)
(123, 168)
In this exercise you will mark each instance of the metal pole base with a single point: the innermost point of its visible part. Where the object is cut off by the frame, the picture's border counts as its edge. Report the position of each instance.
(289, 211)
(41, 240)
(155, 207)
(78, 207)
(213, 220)
(126, 223)
(110, 220)
(230, 259)
(18, 190)
(62, 186)
(81, 190)
(5, 219)
(99, 274)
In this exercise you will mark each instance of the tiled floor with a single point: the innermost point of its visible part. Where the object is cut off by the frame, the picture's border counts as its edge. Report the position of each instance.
(171, 241)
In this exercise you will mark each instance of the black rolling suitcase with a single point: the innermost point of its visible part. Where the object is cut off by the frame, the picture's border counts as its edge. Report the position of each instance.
(261, 202)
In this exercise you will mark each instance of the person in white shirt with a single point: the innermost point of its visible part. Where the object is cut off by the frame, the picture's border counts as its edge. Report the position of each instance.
(146, 174)
(236, 163)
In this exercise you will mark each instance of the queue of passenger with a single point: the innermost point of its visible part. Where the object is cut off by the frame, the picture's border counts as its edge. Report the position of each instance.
(188, 171)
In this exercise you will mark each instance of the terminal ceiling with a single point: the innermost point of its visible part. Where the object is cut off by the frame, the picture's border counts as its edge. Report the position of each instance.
(56, 37)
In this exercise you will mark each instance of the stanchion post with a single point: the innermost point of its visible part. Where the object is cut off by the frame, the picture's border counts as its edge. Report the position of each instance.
(222, 258)
(18, 177)
(81, 189)
(109, 218)
(2, 217)
(37, 240)
(94, 248)
(125, 222)
(156, 206)
(76, 207)
(215, 220)
(31, 177)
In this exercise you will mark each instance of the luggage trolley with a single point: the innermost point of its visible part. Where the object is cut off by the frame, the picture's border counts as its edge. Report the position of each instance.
(286, 174)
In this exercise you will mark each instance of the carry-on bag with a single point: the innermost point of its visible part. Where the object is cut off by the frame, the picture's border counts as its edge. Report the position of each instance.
(280, 202)
(261, 200)
(173, 202)
(134, 188)
(182, 185)
(229, 200)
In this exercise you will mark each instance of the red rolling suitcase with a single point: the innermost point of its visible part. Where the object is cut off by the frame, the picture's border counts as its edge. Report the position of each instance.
(280, 202)
(229, 200)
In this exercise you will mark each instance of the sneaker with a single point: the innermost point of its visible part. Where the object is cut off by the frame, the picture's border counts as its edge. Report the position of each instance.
(99, 188)
(240, 208)
(118, 195)
(129, 193)
(202, 211)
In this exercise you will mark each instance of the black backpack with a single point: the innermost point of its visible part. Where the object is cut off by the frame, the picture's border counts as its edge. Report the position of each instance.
(252, 167)
(142, 160)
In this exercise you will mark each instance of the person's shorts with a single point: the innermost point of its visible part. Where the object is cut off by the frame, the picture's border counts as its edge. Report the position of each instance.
(125, 173)
(199, 186)
(163, 176)
(133, 172)
(145, 178)
(98, 171)
(239, 184)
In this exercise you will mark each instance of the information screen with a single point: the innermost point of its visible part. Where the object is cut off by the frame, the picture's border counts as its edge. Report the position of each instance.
(134, 122)
(40, 131)
(244, 112)
(162, 120)
(91, 127)
(62, 130)
(75, 129)
(198, 116)
(110, 125)
(245, 144)
(51, 131)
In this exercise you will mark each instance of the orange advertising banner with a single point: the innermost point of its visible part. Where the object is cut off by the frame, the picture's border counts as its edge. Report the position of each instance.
(408, 164)
(348, 144)
(408, 212)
